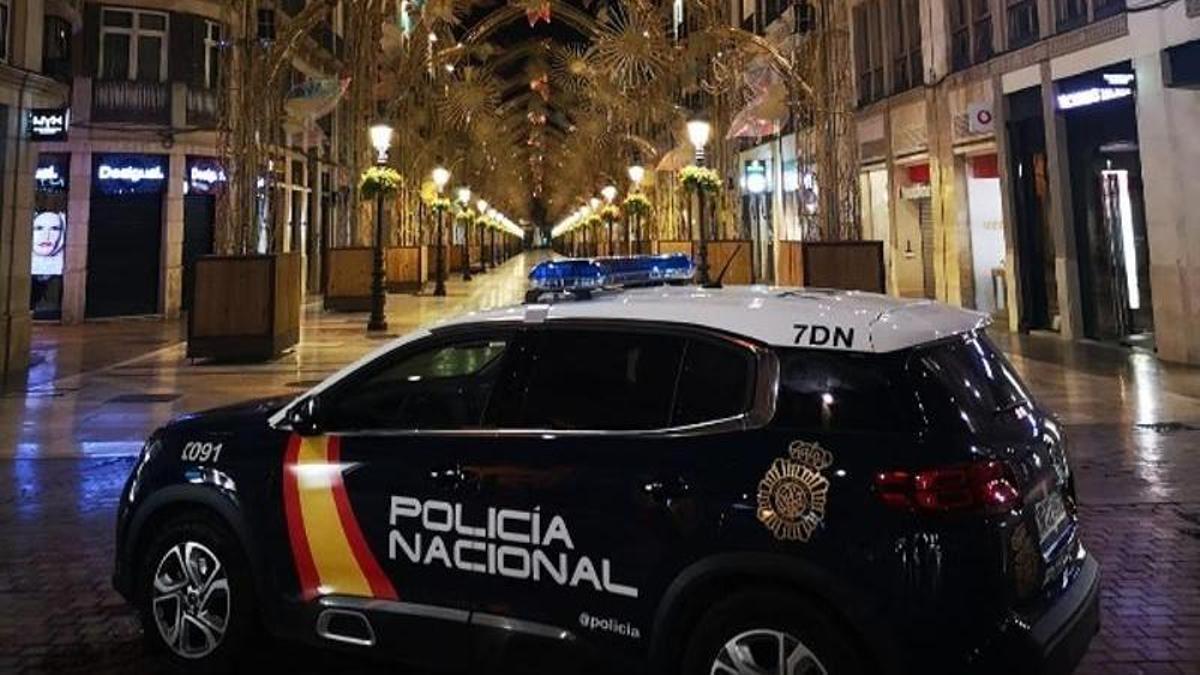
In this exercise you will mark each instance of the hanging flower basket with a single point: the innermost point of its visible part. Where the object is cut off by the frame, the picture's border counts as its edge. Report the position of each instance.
(466, 216)
(440, 205)
(610, 214)
(699, 178)
(637, 204)
(379, 181)
(593, 221)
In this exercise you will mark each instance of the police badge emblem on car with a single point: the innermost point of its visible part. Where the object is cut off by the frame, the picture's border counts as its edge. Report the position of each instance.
(791, 496)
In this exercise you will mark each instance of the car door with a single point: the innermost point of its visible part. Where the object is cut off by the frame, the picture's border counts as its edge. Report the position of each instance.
(378, 487)
(597, 504)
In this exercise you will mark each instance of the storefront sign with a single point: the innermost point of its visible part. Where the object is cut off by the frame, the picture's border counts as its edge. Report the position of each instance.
(205, 175)
(1091, 96)
(129, 174)
(979, 118)
(49, 124)
(51, 174)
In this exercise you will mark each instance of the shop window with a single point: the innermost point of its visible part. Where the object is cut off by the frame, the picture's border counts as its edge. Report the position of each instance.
(906, 45)
(212, 54)
(1022, 22)
(5, 14)
(970, 32)
(868, 50)
(133, 45)
(56, 48)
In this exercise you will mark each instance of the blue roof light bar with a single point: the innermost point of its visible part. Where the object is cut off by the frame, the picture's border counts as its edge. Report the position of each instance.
(586, 274)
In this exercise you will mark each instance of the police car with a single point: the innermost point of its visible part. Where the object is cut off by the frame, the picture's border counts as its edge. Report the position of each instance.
(670, 479)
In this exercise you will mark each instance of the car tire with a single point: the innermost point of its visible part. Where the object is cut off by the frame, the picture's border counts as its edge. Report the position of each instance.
(758, 625)
(195, 594)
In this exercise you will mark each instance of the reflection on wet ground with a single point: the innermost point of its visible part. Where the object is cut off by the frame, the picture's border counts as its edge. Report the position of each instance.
(66, 446)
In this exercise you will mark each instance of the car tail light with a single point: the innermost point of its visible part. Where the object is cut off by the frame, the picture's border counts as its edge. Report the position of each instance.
(980, 486)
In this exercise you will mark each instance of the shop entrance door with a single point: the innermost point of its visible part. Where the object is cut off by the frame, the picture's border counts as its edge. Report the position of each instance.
(124, 254)
(1120, 213)
(1036, 259)
(199, 215)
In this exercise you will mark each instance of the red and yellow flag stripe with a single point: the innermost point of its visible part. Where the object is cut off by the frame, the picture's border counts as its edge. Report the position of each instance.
(328, 547)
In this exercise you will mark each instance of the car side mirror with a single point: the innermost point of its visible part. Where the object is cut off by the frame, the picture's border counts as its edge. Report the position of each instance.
(304, 417)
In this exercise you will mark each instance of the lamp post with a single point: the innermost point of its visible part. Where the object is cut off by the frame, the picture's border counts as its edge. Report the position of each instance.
(594, 202)
(698, 130)
(464, 201)
(381, 140)
(636, 173)
(441, 176)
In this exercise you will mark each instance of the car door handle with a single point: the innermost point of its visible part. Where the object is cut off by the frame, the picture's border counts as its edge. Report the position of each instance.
(664, 489)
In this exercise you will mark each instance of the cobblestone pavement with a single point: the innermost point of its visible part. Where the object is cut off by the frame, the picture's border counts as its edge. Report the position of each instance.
(1134, 425)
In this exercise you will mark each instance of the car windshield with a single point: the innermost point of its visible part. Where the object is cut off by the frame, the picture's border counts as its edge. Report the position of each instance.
(966, 380)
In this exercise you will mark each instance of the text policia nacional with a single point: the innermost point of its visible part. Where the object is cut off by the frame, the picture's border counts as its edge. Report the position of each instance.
(506, 542)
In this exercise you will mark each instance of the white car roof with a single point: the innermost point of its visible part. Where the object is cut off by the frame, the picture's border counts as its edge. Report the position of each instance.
(805, 317)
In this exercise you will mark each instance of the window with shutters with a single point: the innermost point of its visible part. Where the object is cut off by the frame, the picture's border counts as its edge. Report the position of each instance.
(868, 50)
(212, 54)
(133, 45)
(5, 20)
(906, 45)
(1022, 22)
(970, 32)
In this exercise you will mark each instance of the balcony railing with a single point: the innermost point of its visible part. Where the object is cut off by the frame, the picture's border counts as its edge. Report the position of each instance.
(130, 101)
(202, 108)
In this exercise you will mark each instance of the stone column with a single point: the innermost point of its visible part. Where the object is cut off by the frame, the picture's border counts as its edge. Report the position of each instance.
(1061, 216)
(16, 241)
(951, 229)
(1170, 152)
(79, 210)
(170, 288)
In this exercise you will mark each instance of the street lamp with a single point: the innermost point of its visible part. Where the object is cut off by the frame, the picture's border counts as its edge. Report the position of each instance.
(464, 201)
(381, 140)
(441, 176)
(636, 173)
(609, 192)
(698, 131)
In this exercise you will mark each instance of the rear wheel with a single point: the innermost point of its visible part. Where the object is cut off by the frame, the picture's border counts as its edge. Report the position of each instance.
(196, 597)
(767, 632)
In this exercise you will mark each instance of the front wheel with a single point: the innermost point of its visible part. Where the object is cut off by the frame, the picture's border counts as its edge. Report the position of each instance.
(767, 632)
(196, 599)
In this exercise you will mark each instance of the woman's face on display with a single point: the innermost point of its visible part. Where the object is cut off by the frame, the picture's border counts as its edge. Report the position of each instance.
(48, 232)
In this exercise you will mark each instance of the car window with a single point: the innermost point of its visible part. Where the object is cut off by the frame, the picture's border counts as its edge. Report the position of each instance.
(715, 383)
(966, 382)
(444, 387)
(833, 391)
(602, 380)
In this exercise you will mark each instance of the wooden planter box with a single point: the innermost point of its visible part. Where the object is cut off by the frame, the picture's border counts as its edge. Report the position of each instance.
(720, 254)
(407, 267)
(348, 288)
(244, 308)
(665, 246)
(849, 265)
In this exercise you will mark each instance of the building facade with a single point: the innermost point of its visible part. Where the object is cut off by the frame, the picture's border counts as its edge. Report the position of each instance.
(31, 68)
(135, 179)
(1029, 158)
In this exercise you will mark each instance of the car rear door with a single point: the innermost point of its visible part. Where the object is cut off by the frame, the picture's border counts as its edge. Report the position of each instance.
(594, 501)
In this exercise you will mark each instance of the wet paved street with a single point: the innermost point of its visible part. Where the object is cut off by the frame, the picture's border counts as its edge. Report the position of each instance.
(67, 440)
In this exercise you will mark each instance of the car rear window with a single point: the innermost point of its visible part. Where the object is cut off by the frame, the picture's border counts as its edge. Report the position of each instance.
(967, 382)
(838, 391)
